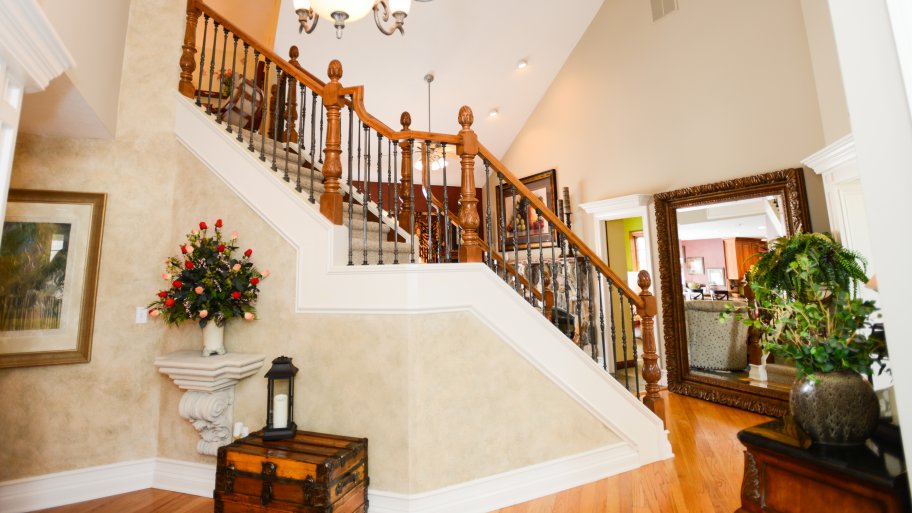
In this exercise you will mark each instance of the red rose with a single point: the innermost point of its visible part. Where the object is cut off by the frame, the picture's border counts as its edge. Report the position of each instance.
(163, 294)
(218, 223)
(169, 302)
(248, 253)
(236, 295)
(177, 284)
(221, 248)
(184, 249)
(254, 280)
(188, 264)
(203, 225)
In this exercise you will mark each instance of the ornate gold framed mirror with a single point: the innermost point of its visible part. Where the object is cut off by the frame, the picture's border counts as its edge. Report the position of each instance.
(708, 236)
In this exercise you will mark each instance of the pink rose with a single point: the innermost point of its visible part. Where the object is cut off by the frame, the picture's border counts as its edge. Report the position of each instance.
(266, 273)
(154, 313)
(193, 231)
(198, 290)
(203, 314)
(248, 316)
(234, 235)
(237, 267)
(166, 276)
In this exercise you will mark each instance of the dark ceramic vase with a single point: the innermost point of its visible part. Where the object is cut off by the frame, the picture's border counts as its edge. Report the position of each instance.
(835, 408)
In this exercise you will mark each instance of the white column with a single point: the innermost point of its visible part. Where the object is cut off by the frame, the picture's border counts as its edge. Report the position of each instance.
(878, 99)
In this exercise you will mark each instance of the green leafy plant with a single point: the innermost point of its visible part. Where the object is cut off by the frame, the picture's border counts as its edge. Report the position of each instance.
(832, 266)
(208, 283)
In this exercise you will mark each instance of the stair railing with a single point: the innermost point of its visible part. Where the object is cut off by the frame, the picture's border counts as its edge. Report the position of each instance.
(567, 270)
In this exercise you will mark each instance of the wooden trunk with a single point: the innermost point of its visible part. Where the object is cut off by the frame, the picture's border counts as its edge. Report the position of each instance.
(311, 473)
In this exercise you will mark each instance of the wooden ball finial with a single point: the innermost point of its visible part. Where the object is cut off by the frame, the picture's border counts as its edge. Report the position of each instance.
(643, 280)
(335, 70)
(406, 120)
(293, 52)
(466, 117)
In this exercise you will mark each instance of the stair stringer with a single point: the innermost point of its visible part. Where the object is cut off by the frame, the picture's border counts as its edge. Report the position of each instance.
(400, 289)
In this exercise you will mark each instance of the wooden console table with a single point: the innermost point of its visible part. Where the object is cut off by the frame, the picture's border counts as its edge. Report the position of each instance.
(785, 473)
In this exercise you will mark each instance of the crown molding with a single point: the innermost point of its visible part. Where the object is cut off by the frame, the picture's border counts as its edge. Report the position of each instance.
(30, 45)
(832, 157)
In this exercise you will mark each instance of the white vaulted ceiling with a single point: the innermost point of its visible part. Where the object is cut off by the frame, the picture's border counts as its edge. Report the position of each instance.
(471, 46)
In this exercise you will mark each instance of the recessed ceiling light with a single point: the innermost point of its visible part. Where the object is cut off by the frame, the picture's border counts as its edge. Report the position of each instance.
(761, 227)
(493, 113)
(522, 64)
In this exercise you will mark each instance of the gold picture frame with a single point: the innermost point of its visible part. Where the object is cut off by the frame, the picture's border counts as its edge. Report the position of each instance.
(50, 251)
(544, 185)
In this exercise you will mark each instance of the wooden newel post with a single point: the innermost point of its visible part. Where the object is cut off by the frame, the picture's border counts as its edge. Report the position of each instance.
(651, 371)
(470, 250)
(188, 59)
(331, 199)
(405, 185)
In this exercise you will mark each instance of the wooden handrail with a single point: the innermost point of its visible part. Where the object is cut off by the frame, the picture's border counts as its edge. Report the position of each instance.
(559, 225)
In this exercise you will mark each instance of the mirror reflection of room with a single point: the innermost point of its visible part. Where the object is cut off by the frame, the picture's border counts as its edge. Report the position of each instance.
(718, 244)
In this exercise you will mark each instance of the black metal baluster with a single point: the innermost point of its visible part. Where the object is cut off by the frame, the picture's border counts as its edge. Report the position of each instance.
(351, 197)
(276, 118)
(264, 129)
(541, 261)
(579, 299)
(215, 27)
(256, 77)
(528, 272)
(365, 198)
(240, 130)
(503, 224)
(287, 132)
(360, 188)
(566, 284)
(621, 298)
(611, 316)
(490, 239)
(411, 186)
(389, 176)
(395, 204)
(428, 196)
(301, 136)
(590, 331)
(515, 242)
(321, 129)
(598, 276)
(233, 78)
(218, 117)
(553, 266)
(313, 144)
(380, 198)
(636, 363)
(199, 87)
(446, 210)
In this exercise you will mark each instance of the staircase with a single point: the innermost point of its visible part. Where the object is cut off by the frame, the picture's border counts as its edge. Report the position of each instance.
(307, 157)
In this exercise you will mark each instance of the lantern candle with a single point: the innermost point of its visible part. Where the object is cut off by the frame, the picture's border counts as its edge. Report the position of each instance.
(280, 411)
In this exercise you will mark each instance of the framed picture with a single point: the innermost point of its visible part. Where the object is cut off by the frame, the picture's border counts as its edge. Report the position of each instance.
(715, 276)
(517, 217)
(49, 254)
(693, 265)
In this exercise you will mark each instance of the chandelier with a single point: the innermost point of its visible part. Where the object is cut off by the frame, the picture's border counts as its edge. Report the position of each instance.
(342, 11)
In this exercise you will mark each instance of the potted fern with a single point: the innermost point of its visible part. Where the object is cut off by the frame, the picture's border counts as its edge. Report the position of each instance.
(809, 312)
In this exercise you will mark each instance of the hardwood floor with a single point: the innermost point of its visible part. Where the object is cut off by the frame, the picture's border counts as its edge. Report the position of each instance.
(703, 477)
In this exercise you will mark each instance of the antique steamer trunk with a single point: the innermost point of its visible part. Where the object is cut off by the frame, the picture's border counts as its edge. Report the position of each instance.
(311, 473)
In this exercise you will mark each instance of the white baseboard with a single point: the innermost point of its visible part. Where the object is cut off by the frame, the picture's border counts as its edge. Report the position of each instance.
(513, 487)
(184, 477)
(481, 495)
(50, 490)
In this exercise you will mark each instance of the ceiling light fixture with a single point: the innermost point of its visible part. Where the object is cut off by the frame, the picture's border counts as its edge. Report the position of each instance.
(342, 11)
(522, 64)
(493, 113)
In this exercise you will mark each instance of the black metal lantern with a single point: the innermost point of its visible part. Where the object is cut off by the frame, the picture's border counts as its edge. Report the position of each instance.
(280, 400)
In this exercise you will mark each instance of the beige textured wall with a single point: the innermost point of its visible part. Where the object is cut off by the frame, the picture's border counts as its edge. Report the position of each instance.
(834, 113)
(429, 391)
(713, 91)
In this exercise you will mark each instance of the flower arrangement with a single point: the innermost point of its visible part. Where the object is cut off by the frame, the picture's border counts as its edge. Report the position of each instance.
(226, 79)
(207, 282)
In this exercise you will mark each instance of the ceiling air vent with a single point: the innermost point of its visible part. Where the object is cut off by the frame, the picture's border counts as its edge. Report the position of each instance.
(662, 7)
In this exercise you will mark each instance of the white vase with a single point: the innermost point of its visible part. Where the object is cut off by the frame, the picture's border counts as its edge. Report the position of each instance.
(213, 339)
